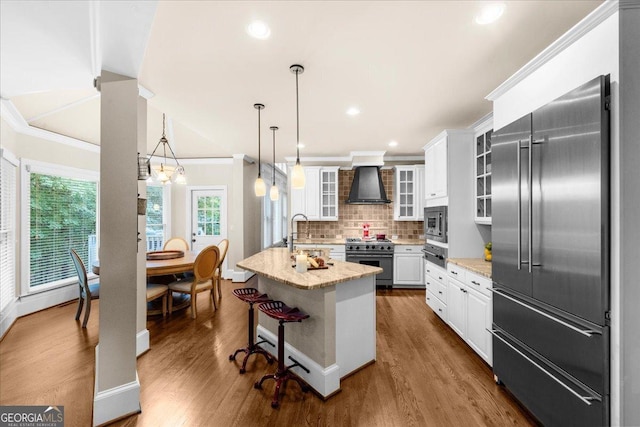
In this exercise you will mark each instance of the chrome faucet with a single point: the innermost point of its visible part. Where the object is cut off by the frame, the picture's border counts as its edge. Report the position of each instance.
(292, 218)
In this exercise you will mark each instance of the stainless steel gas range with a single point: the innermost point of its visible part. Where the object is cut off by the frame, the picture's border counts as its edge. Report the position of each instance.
(378, 253)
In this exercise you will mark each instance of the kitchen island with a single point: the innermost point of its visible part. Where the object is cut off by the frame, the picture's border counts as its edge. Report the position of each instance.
(339, 337)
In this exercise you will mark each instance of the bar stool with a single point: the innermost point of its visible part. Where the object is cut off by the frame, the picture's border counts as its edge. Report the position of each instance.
(284, 314)
(251, 296)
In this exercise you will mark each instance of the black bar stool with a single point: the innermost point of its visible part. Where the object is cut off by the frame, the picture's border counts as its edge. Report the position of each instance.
(251, 296)
(284, 314)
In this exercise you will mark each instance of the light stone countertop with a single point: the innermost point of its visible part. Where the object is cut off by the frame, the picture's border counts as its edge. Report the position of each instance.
(276, 264)
(476, 265)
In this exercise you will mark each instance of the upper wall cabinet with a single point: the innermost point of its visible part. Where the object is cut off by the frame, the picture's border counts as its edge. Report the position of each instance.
(318, 200)
(409, 194)
(483, 172)
(435, 162)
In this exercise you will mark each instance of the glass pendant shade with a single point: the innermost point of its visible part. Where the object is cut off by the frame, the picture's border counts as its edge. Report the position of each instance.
(259, 187)
(274, 194)
(297, 177)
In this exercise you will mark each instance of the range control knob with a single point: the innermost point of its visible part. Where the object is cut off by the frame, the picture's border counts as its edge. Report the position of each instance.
(367, 246)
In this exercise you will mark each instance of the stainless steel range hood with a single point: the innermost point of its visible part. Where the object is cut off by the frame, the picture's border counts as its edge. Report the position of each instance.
(367, 188)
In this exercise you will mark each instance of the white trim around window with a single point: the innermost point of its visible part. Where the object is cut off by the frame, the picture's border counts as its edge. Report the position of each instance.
(33, 166)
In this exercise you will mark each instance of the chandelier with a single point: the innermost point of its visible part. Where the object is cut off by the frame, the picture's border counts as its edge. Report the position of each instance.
(165, 173)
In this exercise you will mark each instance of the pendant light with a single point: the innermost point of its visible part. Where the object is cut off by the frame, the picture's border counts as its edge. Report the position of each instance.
(273, 193)
(297, 175)
(259, 187)
(165, 174)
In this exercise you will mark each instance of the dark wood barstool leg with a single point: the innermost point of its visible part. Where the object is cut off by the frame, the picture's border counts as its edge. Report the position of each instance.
(283, 374)
(252, 347)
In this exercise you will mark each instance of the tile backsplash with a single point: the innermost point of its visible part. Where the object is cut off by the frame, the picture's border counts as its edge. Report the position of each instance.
(351, 217)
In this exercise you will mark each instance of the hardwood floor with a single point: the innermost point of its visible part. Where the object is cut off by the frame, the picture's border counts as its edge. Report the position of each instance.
(424, 374)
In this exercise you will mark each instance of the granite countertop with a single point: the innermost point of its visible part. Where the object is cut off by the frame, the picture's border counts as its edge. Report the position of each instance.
(275, 264)
(476, 265)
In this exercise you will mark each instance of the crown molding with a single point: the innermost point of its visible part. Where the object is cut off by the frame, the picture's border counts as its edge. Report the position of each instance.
(10, 113)
(590, 22)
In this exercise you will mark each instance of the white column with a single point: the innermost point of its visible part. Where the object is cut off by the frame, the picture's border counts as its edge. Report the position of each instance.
(117, 389)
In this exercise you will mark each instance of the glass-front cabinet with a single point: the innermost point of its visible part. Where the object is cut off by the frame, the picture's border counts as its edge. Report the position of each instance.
(483, 177)
(329, 193)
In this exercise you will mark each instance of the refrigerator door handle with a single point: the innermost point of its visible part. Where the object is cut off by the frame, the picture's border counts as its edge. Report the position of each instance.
(586, 332)
(585, 399)
(530, 203)
(519, 210)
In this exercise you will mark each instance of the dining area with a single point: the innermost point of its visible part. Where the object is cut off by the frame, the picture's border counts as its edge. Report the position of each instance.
(175, 276)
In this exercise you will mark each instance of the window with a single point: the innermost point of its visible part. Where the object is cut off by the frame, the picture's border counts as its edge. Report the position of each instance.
(156, 223)
(274, 214)
(60, 212)
(7, 229)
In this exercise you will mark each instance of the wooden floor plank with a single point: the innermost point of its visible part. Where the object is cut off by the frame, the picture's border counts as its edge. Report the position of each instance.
(425, 375)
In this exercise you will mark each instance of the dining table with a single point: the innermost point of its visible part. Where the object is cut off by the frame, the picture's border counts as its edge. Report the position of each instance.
(162, 270)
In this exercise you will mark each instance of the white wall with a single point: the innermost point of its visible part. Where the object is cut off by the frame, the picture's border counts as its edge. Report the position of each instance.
(594, 53)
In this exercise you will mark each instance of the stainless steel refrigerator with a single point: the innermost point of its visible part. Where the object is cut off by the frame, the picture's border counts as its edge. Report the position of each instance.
(550, 234)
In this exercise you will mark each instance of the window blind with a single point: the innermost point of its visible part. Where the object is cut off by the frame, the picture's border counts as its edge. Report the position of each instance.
(7, 233)
(62, 215)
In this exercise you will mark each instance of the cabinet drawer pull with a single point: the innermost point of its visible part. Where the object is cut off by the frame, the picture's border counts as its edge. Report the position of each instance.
(440, 292)
(440, 310)
(585, 399)
(475, 283)
(433, 194)
(454, 272)
(586, 332)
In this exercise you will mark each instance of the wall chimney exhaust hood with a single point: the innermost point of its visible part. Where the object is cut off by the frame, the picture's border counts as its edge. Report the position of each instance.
(367, 188)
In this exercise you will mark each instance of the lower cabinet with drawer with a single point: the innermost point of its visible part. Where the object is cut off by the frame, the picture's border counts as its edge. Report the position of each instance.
(435, 279)
(469, 309)
(407, 266)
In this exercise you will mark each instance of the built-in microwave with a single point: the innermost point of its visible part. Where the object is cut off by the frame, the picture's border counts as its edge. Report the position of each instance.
(435, 223)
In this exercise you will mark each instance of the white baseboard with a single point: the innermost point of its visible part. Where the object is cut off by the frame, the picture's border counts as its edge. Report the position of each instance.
(241, 275)
(7, 317)
(35, 302)
(142, 342)
(325, 381)
(117, 402)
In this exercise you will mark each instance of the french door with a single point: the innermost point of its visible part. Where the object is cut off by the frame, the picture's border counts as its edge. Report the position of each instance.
(208, 217)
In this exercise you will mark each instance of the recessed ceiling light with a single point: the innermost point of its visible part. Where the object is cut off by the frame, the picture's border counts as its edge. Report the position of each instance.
(259, 30)
(393, 143)
(490, 13)
(300, 145)
(353, 111)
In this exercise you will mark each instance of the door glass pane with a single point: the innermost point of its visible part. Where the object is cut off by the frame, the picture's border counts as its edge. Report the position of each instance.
(209, 216)
(480, 165)
(480, 145)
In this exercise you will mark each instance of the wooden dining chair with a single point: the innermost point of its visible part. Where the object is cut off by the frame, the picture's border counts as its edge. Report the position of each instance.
(86, 292)
(202, 280)
(217, 275)
(157, 290)
(176, 244)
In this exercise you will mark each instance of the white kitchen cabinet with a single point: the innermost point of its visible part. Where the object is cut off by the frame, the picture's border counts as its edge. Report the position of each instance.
(329, 193)
(409, 193)
(469, 309)
(318, 200)
(436, 165)
(435, 279)
(483, 172)
(457, 307)
(408, 265)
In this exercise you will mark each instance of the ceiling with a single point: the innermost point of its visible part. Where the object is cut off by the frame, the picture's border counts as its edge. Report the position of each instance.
(413, 68)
